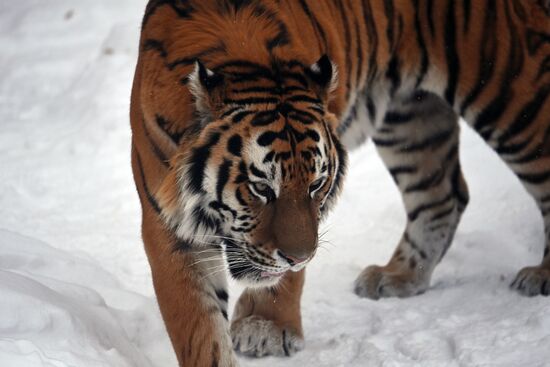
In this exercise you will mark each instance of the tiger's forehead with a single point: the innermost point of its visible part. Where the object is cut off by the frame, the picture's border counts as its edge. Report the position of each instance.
(285, 155)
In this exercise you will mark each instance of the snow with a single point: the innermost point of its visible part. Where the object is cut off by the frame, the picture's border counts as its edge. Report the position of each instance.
(75, 286)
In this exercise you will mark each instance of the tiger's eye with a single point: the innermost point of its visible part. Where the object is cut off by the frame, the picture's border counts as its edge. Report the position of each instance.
(260, 187)
(316, 185)
(263, 191)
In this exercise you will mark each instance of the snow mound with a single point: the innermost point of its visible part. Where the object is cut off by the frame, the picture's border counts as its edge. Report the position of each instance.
(53, 313)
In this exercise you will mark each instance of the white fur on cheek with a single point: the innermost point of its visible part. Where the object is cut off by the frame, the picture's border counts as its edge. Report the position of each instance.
(182, 219)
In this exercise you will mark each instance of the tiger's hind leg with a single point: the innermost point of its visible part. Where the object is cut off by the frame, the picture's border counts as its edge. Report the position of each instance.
(418, 142)
(532, 165)
(267, 321)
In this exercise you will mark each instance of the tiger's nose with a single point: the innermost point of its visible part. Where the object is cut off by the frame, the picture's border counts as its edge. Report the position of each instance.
(292, 260)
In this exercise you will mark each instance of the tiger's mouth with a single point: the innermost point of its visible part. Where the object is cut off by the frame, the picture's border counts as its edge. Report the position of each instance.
(245, 270)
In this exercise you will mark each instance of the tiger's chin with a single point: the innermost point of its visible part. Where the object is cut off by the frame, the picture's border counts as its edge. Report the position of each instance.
(253, 277)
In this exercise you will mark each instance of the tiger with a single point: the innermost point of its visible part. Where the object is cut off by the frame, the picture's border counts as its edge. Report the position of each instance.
(243, 111)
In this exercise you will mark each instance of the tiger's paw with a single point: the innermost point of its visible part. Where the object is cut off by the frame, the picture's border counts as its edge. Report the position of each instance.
(532, 281)
(381, 281)
(258, 337)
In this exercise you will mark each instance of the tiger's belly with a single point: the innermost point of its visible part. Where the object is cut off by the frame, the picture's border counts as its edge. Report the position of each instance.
(392, 117)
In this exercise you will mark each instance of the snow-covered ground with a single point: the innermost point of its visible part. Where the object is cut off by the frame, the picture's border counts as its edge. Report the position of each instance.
(75, 287)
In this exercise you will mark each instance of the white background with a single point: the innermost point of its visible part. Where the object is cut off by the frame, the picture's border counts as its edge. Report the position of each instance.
(75, 286)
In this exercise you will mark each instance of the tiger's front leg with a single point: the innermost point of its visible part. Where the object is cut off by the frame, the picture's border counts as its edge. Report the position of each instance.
(267, 321)
(192, 295)
(418, 142)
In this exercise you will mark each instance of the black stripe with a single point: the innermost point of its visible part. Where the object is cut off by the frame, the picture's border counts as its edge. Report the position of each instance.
(257, 172)
(540, 150)
(512, 149)
(536, 40)
(414, 245)
(235, 145)
(156, 149)
(303, 98)
(239, 4)
(258, 89)
(152, 201)
(466, 8)
(302, 116)
(182, 8)
(519, 10)
(240, 199)
(240, 116)
(220, 206)
(497, 107)
(295, 76)
(163, 123)
(392, 73)
(457, 186)
(199, 158)
(243, 64)
(437, 227)
(442, 214)
(430, 10)
(230, 112)
(251, 100)
(373, 38)
(319, 31)
(433, 142)
(487, 60)
(268, 137)
(201, 217)
(328, 135)
(451, 54)
(432, 180)
(535, 178)
(222, 295)
(386, 143)
(265, 118)
(285, 346)
(527, 116)
(371, 108)
(216, 349)
(422, 44)
(282, 38)
(341, 169)
(389, 13)
(189, 60)
(398, 170)
(398, 118)
(531, 155)
(413, 215)
(347, 45)
(359, 48)
(156, 45)
(223, 177)
(182, 246)
(401, 170)
(544, 67)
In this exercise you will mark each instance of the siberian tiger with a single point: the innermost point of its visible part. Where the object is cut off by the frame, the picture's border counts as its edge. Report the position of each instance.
(241, 113)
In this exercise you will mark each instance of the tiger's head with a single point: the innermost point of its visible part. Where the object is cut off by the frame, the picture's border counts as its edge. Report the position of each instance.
(261, 167)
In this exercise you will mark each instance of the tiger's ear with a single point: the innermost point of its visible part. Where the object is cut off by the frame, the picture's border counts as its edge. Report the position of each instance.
(324, 76)
(206, 88)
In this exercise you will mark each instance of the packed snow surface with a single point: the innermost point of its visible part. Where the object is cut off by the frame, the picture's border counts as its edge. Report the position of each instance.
(75, 286)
